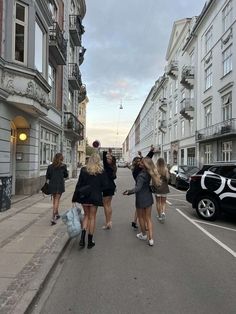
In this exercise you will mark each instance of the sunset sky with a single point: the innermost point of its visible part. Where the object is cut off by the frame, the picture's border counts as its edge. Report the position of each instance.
(126, 43)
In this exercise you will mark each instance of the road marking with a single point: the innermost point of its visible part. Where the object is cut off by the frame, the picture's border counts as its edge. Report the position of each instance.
(168, 202)
(214, 225)
(224, 246)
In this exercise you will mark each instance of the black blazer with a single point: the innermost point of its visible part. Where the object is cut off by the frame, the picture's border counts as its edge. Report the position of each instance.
(110, 171)
(56, 176)
(98, 183)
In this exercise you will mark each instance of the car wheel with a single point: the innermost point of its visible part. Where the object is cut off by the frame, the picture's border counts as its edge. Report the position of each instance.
(207, 208)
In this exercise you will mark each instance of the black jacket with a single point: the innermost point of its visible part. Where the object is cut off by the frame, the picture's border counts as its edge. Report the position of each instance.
(56, 176)
(137, 169)
(110, 171)
(96, 185)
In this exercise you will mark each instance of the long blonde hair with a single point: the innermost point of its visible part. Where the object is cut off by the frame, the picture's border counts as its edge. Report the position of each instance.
(152, 170)
(94, 165)
(162, 168)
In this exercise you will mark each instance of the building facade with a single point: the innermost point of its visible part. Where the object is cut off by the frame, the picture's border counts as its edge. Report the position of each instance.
(40, 88)
(193, 100)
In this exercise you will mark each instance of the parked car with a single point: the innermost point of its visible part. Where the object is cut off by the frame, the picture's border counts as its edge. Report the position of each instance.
(179, 175)
(213, 190)
(122, 164)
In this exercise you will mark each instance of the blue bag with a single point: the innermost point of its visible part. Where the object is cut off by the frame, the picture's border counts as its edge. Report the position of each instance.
(72, 218)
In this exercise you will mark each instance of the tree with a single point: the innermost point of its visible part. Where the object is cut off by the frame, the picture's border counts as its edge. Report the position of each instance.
(89, 149)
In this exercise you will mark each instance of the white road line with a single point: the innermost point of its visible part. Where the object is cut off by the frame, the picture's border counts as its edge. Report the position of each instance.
(168, 202)
(228, 249)
(214, 225)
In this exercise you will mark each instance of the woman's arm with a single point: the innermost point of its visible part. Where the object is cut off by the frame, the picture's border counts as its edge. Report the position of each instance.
(65, 172)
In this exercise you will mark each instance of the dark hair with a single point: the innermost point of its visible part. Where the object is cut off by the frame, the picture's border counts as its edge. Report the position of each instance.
(57, 160)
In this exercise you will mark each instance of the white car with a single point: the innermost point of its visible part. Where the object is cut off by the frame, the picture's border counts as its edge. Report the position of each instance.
(122, 164)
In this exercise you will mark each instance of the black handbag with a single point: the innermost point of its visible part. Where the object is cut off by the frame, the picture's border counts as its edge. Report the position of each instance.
(45, 188)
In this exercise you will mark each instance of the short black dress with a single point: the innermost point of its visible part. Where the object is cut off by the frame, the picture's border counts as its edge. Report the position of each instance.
(56, 177)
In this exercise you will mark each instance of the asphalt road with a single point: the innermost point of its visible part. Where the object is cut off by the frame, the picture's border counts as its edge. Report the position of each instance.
(190, 269)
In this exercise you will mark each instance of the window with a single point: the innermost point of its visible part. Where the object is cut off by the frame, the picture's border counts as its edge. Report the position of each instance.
(171, 89)
(208, 40)
(182, 156)
(182, 128)
(208, 77)
(227, 151)
(53, 9)
(208, 154)
(191, 127)
(227, 106)
(170, 137)
(52, 83)
(191, 156)
(176, 84)
(227, 16)
(176, 105)
(20, 32)
(170, 111)
(48, 146)
(227, 60)
(208, 115)
(39, 56)
(68, 152)
(175, 131)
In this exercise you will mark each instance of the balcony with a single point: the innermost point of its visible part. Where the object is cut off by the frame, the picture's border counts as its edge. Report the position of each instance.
(82, 93)
(172, 69)
(218, 130)
(74, 76)
(76, 29)
(73, 127)
(162, 126)
(163, 104)
(81, 55)
(187, 108)
(57, 44)
(187, 76)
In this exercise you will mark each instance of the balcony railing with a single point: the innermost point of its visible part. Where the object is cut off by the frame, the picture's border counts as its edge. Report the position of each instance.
(82, 93)
(81, 55)
(162, 126)
(76, 28)
(73, 126)
(187, 76)
(74, 76)
(57, 44)
(187, 108)
(163, 104)
(222, 129)
(172, 68)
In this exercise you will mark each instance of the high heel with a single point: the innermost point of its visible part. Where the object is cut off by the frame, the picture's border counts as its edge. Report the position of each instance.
(107, 226)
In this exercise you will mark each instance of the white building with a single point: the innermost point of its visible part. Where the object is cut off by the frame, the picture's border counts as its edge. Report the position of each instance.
(194, 117)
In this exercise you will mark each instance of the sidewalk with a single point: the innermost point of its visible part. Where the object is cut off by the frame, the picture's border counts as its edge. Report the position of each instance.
(29, 247)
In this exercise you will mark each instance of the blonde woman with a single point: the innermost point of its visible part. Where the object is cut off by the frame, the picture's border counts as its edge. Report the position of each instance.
(162, 190)
(144, 199)
(56, 174)
(91, 183)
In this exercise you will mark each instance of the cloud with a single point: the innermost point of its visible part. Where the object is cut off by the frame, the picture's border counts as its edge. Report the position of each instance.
(126, 44)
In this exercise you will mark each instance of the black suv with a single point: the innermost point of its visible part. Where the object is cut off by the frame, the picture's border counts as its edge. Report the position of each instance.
(213, 190)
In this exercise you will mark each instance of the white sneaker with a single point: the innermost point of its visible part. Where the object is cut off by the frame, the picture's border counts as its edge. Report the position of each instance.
(140, 236)
(163, 217)
(151, 242)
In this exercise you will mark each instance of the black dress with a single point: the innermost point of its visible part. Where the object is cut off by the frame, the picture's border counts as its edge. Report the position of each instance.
(96, 185)
(56, 176)
(111, 176)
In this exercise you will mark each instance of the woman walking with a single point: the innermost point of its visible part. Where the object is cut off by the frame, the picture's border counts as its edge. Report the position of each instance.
(162, 190)
(91, 183)
(144, 199)
(109, 163)
(56, 174)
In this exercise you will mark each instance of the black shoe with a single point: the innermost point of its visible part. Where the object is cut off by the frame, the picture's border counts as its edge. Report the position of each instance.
(82, 239)
(91, 243)
(53, 222)
(57, 216)
(134, 225)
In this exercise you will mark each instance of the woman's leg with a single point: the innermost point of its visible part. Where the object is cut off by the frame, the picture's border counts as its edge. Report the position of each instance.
(84, 225)
(134, 222)
(91, 226)
(163, 204)
(148, 218)
(108, 211)
(141, 219)
(158, 205)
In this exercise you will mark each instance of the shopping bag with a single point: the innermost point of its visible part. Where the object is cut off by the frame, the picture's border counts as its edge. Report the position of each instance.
(45, 188)
(72, 219)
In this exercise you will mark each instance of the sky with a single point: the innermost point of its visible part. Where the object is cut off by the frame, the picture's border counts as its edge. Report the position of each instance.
(126, 42)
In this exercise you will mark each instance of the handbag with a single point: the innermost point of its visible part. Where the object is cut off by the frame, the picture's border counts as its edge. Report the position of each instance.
(72, 218)
(45, 188)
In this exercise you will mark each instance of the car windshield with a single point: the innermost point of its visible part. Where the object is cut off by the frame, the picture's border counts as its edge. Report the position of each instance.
(188, 170)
